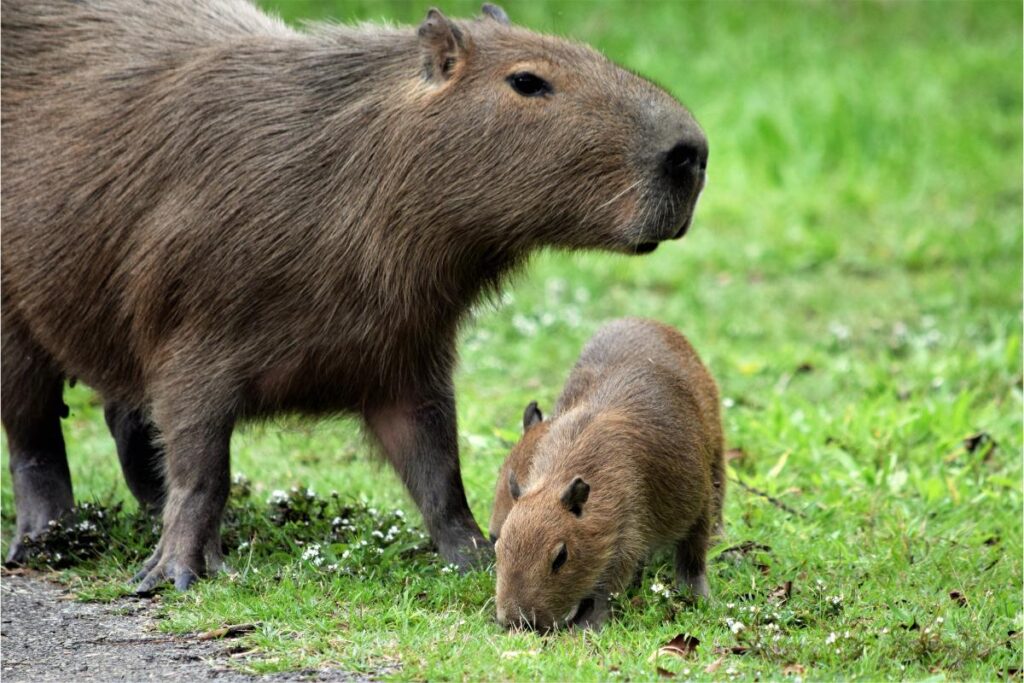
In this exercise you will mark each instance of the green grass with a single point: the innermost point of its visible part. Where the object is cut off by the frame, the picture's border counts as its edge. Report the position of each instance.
(853, 280)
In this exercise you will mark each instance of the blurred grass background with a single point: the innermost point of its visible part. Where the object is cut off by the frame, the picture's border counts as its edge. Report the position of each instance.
(853, 279)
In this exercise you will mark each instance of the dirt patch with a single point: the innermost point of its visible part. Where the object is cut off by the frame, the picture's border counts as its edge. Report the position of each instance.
(47, 636)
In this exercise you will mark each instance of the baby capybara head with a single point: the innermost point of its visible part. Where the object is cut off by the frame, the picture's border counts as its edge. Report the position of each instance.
(551, 555)
(550, 139)
(516, 465)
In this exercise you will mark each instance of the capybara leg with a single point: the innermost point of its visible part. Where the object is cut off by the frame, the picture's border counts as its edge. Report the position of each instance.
(141, 458)
(198, 479)
(420, 441)
(31, 411)
(691, 558)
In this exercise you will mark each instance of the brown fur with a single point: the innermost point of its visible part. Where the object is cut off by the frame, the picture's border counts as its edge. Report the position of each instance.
(210, 216)
(638, 422)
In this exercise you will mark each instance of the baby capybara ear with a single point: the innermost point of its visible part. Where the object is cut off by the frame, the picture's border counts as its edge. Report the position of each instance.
(513, 486)
(492, 11)
(443, 46)
(575, 495)
(531, 416)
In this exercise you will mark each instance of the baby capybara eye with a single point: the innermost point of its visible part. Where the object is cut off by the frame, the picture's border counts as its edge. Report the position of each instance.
(560, 558)
(529, 85)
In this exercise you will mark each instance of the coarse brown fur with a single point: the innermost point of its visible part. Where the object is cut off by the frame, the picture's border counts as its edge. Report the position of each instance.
(630, 460)
(210, 216)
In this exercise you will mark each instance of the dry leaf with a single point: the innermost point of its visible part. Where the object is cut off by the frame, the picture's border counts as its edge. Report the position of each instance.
(781, 593)
(735, 454)
(682, 645)
(665, 673)
(793, 670)
(958, 597)
(228, 632)
(713, 666)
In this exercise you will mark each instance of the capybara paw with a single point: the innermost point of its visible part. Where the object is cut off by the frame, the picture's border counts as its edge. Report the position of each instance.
(476, 552)
(696, 585)
(18, 553)
(164, 567)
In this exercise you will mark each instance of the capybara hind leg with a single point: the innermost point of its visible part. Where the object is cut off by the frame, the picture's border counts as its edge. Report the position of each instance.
(420, 441)
(141, 459)
(198, 479)
(691, 559)
(31, 411)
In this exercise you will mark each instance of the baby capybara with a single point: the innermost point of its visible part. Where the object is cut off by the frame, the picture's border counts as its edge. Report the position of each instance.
(210, 216)
(630, 460)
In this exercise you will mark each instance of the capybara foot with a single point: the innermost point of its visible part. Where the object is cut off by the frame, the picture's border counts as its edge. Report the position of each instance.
(30, 526)
(591, 613)
(471, 551)
(181, 568)
(696, 585)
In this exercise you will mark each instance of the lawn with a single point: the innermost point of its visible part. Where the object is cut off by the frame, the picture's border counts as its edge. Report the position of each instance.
(852, 279)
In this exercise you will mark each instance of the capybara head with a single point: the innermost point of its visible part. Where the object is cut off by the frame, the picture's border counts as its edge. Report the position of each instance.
(553, 141)
(517, 464)
(551, 555)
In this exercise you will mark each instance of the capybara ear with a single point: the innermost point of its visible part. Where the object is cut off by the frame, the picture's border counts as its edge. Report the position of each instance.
(575, 495)
(513, 486)
(492, 11)
(531, 416)
(442, 45)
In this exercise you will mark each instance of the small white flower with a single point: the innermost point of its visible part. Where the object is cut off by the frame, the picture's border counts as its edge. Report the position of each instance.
(277, 497)
(730, 605)
(657, 587)
(831, 638)
(345, 555)
(400, 514)
(312, 552)
(735, 626)
(243, 545)
(728, 402)
(373, 511)
(332, 567)
(939, 620)
(380, 551)
(377, 533)
(336, 521)
(310, 493)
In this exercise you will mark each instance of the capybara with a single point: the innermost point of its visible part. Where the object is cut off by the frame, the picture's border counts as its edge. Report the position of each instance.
(630, 460)
(210, 216)
(516, 465)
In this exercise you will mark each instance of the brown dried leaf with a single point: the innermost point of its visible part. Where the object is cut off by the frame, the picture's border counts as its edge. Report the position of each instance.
(781, 593)
(958, 597)
(793, 670)
(713, 666)
(232, 631)
(974, 441)
(683, 645)
(735, 454)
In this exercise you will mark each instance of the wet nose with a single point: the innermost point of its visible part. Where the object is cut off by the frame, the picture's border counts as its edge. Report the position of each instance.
(687, 160)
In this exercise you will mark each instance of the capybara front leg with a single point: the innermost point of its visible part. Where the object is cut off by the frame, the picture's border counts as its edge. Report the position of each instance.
(198, 479)
(419, 439)
(32, 407)
(141, 459)
(691, 558)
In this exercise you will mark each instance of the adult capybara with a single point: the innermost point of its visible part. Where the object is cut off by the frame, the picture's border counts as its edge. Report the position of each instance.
(210, 216)
(630, 460)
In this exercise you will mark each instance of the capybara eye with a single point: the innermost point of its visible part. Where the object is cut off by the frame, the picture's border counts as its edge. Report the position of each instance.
(560, 558)
(529, 85)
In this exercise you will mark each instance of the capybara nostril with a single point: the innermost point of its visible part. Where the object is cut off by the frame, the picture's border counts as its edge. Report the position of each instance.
(686, 159)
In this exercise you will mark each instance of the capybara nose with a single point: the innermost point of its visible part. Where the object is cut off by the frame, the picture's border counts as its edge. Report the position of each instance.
(687, 160)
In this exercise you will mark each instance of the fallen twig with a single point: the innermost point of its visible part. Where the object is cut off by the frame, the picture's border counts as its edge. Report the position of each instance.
(771, 499)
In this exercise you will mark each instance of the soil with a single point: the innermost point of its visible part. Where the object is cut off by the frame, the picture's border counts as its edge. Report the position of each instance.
(47, 636)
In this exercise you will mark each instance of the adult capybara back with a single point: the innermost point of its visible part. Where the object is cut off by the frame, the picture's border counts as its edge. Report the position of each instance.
(210, 216)
(631, 459)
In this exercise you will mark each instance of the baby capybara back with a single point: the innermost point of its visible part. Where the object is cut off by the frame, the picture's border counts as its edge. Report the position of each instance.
(630, 460)
(210, 216)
